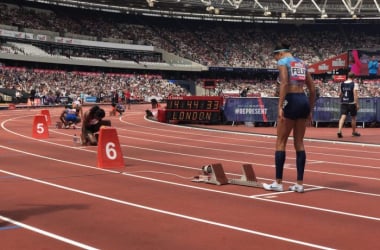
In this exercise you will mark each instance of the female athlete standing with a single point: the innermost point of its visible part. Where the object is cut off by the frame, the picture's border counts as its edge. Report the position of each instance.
(294, 110)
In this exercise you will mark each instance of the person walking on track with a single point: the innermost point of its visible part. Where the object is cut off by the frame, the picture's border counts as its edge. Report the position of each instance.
(349, 96)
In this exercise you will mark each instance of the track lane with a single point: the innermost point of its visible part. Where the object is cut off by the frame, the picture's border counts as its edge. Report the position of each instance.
(166, 191)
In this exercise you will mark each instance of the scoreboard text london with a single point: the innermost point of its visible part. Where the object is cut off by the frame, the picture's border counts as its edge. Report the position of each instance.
(204, 109)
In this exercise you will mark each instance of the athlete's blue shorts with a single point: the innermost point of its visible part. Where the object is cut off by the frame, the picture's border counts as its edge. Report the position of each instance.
(71, 118)
(297, 106)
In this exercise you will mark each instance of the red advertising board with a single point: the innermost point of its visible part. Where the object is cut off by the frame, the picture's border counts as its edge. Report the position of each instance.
(339, 78)
(334, 63)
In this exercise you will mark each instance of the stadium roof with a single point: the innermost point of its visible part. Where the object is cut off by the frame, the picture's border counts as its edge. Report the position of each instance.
(236, 9)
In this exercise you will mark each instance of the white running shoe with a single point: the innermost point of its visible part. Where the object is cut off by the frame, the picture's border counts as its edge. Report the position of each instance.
(296, 188)
(273, 187)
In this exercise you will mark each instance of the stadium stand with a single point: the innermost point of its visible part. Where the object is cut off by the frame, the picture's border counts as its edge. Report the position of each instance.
(178, 45)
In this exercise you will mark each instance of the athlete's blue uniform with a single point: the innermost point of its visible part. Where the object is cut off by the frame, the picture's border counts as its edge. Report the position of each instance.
(296, 109)
(71, 115)
(296, 105)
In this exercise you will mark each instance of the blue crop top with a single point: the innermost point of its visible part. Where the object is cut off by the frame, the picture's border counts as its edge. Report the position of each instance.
(297, 70)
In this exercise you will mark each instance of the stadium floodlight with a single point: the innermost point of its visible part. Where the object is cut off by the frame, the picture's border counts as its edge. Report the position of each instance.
(235, 3)
(267, 12)
(206, 2)
(210, 8)
(323, 14)
(150, 3)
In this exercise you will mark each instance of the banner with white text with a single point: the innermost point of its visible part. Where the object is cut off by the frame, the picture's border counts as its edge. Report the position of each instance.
(327, 109)
(246, 109)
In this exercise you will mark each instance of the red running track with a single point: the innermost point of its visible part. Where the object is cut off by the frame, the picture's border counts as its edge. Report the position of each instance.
(54, 197)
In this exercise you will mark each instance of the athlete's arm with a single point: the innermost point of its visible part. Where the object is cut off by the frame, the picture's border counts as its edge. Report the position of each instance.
(356, 96)
(311, 86)
(284, 82)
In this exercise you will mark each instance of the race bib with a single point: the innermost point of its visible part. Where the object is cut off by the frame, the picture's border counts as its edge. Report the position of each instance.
(297, 71)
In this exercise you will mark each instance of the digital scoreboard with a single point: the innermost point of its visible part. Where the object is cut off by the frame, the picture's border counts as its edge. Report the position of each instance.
(194, 109)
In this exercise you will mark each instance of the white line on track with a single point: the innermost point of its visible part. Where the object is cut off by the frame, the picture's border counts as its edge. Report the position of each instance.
(255, 163)
(258, 135)
(346, 152)
(193, 187)
(168, 164)
(48, 234)
(214, 223)
(180, 215)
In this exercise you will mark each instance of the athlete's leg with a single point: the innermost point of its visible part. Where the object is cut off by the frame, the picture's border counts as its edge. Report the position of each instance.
(284, 127)
(299, 134)
(341, 122)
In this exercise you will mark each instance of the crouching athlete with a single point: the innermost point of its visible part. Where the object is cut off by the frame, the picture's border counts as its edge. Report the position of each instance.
(92, 122)
(69, 117)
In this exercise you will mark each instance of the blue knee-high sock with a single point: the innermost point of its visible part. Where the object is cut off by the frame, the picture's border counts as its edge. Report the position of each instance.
(300, 163)
(279, 157)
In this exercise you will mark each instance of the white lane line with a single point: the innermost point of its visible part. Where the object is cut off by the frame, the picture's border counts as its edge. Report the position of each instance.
(48, 234)
(186, 167)
(214, 223)
(264, 155)
(189, 186)
(161, 151)
(287, 166)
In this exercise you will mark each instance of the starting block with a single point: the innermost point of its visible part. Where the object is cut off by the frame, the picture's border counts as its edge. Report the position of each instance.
(216, 175)
(58, 125)
(248, 178)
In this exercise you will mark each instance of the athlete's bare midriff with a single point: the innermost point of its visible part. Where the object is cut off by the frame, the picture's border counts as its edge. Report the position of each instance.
(294, 89)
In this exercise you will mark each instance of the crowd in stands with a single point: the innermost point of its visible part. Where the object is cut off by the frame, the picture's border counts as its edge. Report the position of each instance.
(224, 44)
(51, 84)
(368, 88)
